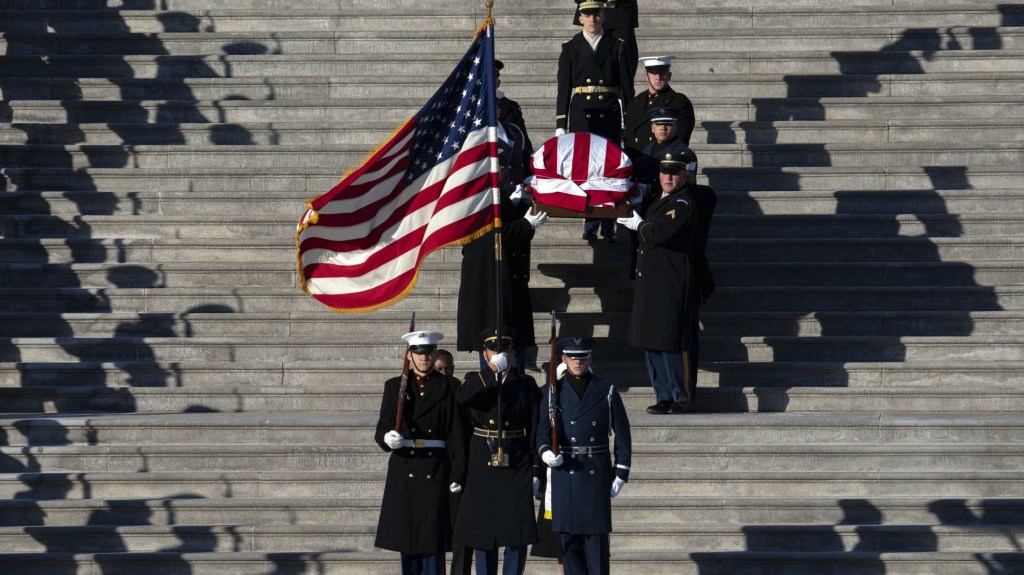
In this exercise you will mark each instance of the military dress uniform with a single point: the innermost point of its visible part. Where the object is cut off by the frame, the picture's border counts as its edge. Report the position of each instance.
(497, 505)
(664, 294)
(621, 19)
(637, 134)
(581, 510)
(414, 514)
(591, 86)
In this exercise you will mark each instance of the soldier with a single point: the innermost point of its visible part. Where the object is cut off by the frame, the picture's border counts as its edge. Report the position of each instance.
(510, 114)
(659, 94)
(664, 319)
(621, 21)
(588, 410)
(427, 460)
(593, 84)
(497, 505)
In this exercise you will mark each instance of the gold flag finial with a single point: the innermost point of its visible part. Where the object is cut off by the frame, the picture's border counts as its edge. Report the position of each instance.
(490, 5)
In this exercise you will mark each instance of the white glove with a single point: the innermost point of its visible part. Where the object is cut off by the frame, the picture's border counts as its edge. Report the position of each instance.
(560, 370)
(455, 488)
(633, 222)
(500, 362)
(559, 132)
(551, 459)
(617, 486)
(393, 439)
(536, 220)
(517, 195)
(536, 487)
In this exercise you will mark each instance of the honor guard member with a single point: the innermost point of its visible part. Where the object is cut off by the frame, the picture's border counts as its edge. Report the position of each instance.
(593, 79)
(497, 505)
(588, 414)
(665, 293)
(427, 460)
(594, 82)
(621, 21)
(637, 134)
(510, 114)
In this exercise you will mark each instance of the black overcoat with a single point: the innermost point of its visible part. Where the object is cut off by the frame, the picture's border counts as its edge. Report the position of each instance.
(414, 514)
(510, 112)
(664, 291)
(477, 291)
(705, 199)
(581, 66)
(497, 505)
(638, 135)
(581, 486)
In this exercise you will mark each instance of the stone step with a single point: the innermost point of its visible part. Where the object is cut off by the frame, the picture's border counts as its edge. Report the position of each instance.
(228, 323)
(200, 375)
(357, 428)
(543, 36)
(158, 484)
(372, 132)
(143, 251)
(840, 182)
(341, 55)
(254, 397)
(225, 538)
(655, 562)
(969, 154)
(726, 225)
(369, 457)
(280, 205)
(574, 300)
(250, 15)
(628, 510)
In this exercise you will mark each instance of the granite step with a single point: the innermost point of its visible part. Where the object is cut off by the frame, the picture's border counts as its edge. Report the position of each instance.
(255, 397)
(628, 510)
(882, 428)
(304, 183)
(133, 379)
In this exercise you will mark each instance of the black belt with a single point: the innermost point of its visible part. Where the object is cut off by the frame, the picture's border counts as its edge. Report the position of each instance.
(507, 434)
(586, 450)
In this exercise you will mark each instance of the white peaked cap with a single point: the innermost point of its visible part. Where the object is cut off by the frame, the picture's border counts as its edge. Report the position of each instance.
(656, 61)
(416, 338)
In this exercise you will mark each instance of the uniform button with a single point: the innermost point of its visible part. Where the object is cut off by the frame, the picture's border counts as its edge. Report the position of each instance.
(594, 423)
(430, 453)
(428, 477)
(591, 472)
(588, 97)
(588, 80)
(572, 423)
(412, 451)
(572, 473)
(638, 274)
(588, 116)
(600, 81)
(591, 439)
(573, 440)
(491, 422)
(600, 116)
(600, 97)
(507, 424)
(410, 476)
(412, 429)
(430, 431)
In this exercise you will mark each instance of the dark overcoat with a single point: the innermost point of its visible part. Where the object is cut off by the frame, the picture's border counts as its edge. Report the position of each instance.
(705, 199)
(664, 291)
(581, 66)
(497, 504)
(511, 113)
(581, 486)
(478, 291)
(414, 514)
(638, 135)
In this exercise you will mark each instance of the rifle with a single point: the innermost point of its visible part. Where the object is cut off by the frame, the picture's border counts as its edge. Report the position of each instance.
(552, 384)
(403, 385)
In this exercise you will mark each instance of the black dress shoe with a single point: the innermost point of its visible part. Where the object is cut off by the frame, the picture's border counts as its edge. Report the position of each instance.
(660, 408)
(611, 236)
(680, 408)
(590, 235)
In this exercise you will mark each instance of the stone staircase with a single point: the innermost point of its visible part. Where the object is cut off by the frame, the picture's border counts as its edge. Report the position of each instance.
(171, 403)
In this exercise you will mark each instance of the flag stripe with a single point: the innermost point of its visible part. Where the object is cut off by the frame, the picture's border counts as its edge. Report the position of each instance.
(579, 169)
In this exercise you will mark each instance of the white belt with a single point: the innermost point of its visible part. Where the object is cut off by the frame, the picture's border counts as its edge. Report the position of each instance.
(421, 443)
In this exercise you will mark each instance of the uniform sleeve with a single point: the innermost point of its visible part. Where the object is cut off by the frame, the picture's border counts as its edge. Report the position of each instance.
(457, 441)
(542, 436)
(687, 120)
(625, 80)
(564, 88)
(388, 413)
(660, 230)
(536, 397)
(473, 386)
(623, 437)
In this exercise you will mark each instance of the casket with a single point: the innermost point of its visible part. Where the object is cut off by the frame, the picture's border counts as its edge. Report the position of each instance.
(581, 175)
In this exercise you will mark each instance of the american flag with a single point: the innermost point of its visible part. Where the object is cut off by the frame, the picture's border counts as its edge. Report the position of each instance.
(433, 183)
(580, 169)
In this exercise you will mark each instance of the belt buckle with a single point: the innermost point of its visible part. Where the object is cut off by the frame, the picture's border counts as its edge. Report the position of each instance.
(419, 443)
